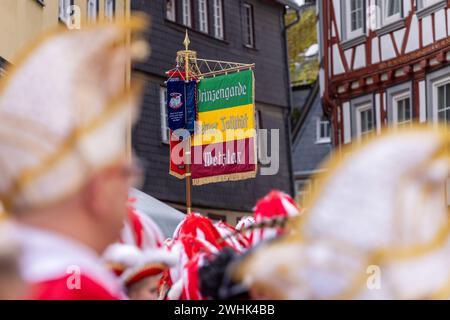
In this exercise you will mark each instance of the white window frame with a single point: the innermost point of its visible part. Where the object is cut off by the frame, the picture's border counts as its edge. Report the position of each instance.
(92, 17)
(249, 34)
(110, 9)
(203, 25)
(187, 13)
(261, 139)
(218, 19)
(319, 138)
(395, 100)
(64, 6)
(436, 86)
(303, 190)
(386, 19)
(426, 3)
(165, 131)
(348, 21)
(172, 14)
(359, 111)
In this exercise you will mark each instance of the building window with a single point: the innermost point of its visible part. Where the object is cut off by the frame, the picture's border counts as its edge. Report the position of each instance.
(392, 11)
(303, 191)
(261, 138)
(92, 10)
(393, 7)
(165, 131)
(323, 131)
(364, 121)
(110, 9)
(356, 15)
(402, 111)
(203, 15)
(187, 13)
(170, 10)
(443, 102)
(218, 19)
(354, 11)
(64, 10)
(249, 26)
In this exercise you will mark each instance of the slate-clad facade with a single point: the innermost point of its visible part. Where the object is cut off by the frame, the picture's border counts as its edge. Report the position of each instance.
(312, 139)
(272, 95)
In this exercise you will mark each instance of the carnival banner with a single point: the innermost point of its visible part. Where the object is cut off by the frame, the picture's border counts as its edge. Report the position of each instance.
(223, 147)
(176, 106)
(181, 105)
(182, 114)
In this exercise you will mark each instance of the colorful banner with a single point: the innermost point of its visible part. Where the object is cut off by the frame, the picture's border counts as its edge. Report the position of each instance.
(181, 105)
(223, 148)
(176, 105)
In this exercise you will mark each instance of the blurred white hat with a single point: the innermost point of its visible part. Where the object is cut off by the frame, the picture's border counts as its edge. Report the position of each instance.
(378, 228)
(64, 109)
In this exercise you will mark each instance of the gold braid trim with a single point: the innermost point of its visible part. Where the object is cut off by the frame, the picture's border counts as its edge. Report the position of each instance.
(224, 178)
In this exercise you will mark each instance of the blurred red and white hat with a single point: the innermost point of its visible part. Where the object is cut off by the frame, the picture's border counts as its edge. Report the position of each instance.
(201, 228)
(131, 264)
(245, 223)
(238, 241)
(274, 205)
(141, 231)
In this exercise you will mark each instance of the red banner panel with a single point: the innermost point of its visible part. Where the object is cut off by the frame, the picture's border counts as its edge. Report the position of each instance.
(224, 161)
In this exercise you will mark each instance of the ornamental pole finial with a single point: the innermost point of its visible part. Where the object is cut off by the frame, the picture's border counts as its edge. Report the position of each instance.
(186, 41)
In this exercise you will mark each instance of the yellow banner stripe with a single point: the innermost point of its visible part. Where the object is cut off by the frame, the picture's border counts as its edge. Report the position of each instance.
(225, 125)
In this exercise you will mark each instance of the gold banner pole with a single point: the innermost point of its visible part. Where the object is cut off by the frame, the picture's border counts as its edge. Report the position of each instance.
(188, 147)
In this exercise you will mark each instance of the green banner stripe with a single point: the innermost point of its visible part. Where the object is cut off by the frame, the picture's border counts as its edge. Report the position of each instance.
(226, 91)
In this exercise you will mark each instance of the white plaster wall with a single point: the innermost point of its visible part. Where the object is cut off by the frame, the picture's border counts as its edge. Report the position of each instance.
(413, 39)
(387, 48)
(347, 123)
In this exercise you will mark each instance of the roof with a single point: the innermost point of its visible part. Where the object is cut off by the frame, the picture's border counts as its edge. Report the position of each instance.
(306, 109)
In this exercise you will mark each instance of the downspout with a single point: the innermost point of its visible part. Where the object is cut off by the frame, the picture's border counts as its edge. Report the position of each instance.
(285, 29)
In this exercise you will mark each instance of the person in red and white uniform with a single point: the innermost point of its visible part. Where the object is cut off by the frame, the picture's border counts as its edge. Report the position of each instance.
(64, 114)
(194, 240)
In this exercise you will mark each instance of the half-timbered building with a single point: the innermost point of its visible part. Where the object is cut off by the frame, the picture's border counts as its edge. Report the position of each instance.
(385, 62)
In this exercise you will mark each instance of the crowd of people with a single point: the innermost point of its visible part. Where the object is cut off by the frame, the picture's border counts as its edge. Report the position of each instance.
(376, 226)
(193, 264)
(69, 230)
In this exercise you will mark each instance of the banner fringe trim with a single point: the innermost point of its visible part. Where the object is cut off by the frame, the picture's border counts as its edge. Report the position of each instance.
(224, 178)
(177, 175)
